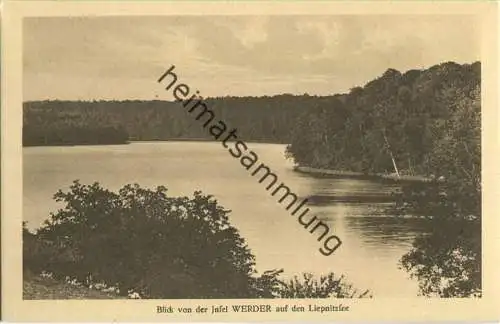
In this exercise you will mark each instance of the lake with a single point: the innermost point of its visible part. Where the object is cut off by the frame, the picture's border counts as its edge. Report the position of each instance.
(373, 239)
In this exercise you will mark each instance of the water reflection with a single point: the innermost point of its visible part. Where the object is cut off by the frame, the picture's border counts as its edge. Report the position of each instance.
(358, 211)
(366, 210)
(384, 232)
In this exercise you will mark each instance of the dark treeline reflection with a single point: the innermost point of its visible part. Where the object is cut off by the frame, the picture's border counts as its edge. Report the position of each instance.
(394, 231)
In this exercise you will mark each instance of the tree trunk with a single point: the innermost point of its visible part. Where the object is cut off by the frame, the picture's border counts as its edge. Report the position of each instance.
(390, 152)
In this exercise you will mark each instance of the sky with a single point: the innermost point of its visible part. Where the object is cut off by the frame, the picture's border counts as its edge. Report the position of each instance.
(120, 58)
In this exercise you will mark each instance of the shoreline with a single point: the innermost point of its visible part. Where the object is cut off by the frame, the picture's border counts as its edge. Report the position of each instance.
(132, 141)
(203, 140)
(361, 175)
(75, 144)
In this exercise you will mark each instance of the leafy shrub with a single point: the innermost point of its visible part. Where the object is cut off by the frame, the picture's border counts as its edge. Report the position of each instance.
(141, 239)
(328, 286)
(447, 262)
(269, 285)
(161, 247)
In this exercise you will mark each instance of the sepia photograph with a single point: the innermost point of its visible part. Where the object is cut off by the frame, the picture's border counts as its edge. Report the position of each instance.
(252, 157)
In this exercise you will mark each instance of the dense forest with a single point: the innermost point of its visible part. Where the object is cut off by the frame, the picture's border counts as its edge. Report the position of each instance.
(416, 116)
(408, 113)
(258, 119)
(73, 135)
(422, 122)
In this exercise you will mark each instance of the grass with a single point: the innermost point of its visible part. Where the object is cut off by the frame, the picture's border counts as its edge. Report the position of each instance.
(37, 288)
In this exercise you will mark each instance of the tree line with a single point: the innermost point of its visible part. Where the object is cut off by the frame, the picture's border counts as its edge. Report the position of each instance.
(74, 135)
(257, 119)
(415, 116)
(422, 122)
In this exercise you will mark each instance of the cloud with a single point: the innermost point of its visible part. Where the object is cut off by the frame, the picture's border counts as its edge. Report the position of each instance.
(236, 55)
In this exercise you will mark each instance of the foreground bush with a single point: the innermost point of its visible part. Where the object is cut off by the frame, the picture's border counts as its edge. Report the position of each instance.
(447, 262)
(161, 247)
(269, 285)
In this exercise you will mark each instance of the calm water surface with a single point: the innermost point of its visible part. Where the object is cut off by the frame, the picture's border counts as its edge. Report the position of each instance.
(373, 239)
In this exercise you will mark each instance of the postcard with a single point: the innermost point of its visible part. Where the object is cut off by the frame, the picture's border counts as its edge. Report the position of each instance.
(249, 161)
